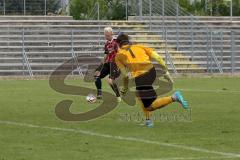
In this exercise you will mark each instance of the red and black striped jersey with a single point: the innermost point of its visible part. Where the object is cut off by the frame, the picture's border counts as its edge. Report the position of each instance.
(111, 48)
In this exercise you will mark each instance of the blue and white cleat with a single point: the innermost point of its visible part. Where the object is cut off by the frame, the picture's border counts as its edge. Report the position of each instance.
(179, 98)
(149, 123)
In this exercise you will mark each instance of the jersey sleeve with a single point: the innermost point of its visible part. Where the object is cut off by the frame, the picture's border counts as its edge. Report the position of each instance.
(158, 58)
(154, 55)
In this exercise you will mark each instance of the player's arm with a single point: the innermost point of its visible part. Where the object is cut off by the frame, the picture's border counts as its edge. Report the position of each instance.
(124, 73)
(154, 55)
(104, 58)
(159, 59)
(105, 54)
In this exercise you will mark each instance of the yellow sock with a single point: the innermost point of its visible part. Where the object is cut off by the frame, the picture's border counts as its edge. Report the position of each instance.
(161, 102)
(146, 112)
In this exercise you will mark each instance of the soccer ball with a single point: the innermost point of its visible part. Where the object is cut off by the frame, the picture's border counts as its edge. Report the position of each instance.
(91, 98)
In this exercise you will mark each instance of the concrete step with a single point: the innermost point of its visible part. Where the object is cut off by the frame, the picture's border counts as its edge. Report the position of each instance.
(68, 42)
(87, 27)
(49, 71)
(69, 38)
(72, 22)
(90, 62)
(196, 26)
(101, 42)
(205, 18)
(17, 18)
(59, 31)
(42, 59)
(97, 53)
(48, 46)
(68, 48)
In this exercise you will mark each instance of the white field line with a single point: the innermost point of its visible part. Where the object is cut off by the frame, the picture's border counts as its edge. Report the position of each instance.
(207, 90)
(130, 139)
(188, 158)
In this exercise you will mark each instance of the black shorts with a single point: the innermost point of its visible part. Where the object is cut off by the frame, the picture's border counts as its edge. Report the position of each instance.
(144, 87)
(109, 68)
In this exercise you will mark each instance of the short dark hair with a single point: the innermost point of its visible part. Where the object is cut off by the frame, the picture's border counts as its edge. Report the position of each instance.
(122, 38)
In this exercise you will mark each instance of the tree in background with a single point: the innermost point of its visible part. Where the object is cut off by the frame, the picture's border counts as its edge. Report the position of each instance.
(211, 7)
(109, 9)
(14, 7)
(53, 6)
(116, 9)
(236, 7)
(80, 9)
(221, 9)
(33, 7)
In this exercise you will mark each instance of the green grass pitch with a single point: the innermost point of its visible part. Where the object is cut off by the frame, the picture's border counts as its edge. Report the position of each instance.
(30, 130)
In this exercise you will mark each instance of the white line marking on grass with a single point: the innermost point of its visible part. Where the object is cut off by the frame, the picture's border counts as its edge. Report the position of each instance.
(187, 158)
(208, 90)
(122, 138)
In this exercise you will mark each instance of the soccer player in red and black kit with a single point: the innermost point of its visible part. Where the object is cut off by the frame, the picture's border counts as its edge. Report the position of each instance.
(108, 66)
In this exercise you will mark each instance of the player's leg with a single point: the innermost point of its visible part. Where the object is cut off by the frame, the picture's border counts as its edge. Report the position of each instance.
(100, 73)
(164, 101)
(146, 93)
(113, 74)
(114, 87)
(147, 96)
(98, 82)
(160, 103)
(147, 114)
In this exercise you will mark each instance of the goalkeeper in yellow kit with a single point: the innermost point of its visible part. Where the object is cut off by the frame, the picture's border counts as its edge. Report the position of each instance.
(136, 60)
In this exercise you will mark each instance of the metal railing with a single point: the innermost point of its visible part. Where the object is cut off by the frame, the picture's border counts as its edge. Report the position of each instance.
(213, 62)
(25, 61)
(26, 7)
(234, 38)
(216, 60)
(94, 14)
(74, 56)
(141, 8)
(168, 58)
(189, 34)
(214, 42)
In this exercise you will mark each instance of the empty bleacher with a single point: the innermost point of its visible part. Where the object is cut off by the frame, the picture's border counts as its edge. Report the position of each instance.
(49, 41)
(193, 37)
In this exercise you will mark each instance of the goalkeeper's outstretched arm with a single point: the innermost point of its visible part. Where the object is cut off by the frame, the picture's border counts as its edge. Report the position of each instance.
(158, 58)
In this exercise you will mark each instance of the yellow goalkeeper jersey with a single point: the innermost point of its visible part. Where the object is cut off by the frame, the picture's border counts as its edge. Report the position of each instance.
(137, 59)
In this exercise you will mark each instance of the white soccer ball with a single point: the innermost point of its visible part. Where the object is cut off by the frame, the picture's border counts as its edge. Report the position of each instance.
(91, 98)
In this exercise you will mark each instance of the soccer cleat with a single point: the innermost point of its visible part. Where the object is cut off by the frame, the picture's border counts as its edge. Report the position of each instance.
(99, 96)
(179, 98)
(149, 123)
(119, 99)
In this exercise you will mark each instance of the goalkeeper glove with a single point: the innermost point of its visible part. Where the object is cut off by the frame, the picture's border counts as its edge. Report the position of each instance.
(168, 77)
(125, 86)
(124, 91)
